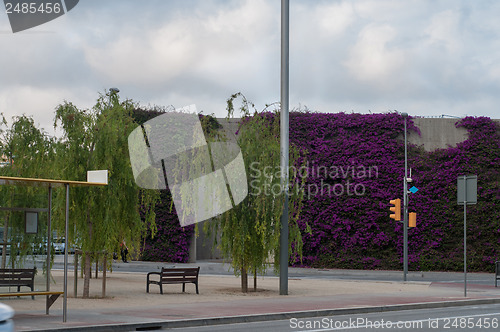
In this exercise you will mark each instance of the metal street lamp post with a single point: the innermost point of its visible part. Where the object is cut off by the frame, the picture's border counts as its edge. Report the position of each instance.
(284, 145)
(112, 91)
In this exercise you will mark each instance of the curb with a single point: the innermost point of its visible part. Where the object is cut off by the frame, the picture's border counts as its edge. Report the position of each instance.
(273, 316)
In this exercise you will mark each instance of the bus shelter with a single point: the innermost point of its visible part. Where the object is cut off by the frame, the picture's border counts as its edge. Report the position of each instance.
(50, 184)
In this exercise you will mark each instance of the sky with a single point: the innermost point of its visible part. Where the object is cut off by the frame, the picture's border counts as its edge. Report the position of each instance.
(423, 57)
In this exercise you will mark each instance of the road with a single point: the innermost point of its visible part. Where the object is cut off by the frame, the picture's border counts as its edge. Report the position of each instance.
(470, 318)
(218, 268)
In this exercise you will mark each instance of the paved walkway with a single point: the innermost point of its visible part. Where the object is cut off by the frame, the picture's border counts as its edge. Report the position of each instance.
(127, 306)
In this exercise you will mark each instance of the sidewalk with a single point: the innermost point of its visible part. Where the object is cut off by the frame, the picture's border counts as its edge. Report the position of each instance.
(128, 306)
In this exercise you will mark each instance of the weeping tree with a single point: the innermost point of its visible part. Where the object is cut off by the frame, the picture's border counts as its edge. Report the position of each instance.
(27, 151)
(248, 234)
(100, 218)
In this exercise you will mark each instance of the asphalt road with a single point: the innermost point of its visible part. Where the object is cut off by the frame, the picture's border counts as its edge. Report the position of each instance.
(470, 318)
(218, 268)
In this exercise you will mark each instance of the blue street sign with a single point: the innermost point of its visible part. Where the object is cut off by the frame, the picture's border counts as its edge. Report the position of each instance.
(413, 189)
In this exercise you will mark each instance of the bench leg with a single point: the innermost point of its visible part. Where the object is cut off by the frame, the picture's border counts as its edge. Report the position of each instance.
(51, 299)
(183, 287)
(196, 284)
(159, 284)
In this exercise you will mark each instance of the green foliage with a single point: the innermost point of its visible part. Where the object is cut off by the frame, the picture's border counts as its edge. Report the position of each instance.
(249, 233)
(26, 152)
(96, 139)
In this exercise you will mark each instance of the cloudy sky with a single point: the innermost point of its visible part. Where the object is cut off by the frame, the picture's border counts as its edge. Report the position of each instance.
(423, 57)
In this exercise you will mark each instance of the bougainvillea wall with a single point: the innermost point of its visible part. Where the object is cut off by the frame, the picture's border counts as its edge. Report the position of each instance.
(356, 165)
(171, 242)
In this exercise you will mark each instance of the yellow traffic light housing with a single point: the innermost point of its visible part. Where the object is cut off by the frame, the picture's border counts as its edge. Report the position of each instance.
(396, 209)
(412, 221)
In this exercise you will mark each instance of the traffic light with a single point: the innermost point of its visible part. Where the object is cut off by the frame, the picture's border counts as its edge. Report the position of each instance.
(396, 209)
(412, 220)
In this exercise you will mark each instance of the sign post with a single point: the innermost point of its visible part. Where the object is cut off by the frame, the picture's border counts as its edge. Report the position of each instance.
(466, 195)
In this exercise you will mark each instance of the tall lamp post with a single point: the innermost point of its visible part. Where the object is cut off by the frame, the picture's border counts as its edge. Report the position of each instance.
(285, 14)
(405, 205)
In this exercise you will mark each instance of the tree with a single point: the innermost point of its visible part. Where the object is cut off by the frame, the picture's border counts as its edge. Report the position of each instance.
(101, 218)
(27, 152)
(249, 233)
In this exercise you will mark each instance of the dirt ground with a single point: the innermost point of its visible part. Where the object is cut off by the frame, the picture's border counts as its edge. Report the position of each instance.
(129, 290)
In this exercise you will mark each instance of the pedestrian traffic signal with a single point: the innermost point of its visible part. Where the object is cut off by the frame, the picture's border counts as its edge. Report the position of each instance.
(412, 219)
(396, 209)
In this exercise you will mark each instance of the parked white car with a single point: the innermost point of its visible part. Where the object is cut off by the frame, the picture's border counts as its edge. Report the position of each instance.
(59, 246)
(6, 322)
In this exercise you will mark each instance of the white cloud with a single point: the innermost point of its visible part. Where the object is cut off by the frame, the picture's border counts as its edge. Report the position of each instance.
(235, 45)
(153, 57)
(444, 33)
(423, 56)
(228, 45)
(38, 102)
(334, 18)
(372, 59)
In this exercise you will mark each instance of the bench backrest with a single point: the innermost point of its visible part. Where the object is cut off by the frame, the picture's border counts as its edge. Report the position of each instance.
(16, 275)
(180, 274)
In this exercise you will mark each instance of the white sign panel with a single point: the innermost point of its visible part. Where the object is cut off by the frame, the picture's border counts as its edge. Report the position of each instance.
(98, 176)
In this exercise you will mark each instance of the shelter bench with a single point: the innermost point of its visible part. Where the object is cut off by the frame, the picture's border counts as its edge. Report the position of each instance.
(19, 278)
(176, 275)
(24, 277)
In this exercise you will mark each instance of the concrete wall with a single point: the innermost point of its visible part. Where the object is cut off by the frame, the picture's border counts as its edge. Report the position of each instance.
(435, 133)
(204, 246)
(438, 133)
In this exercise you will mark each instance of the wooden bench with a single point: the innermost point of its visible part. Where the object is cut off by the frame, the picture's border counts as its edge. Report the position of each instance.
(25, 277)
(174, 275)
(18, 278)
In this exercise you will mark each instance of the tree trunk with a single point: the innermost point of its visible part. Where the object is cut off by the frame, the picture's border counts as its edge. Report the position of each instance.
(75, 269)
(104, 267)
(82, 265)
(86, 280)
(4, 240)
(255, 280)
(244, 280)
